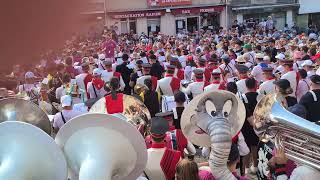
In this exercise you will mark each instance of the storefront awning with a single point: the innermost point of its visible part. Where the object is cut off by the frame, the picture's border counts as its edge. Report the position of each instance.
(242, 8)
(197, 10)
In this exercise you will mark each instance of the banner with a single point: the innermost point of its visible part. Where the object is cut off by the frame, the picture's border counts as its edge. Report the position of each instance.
(136, 14)
(166, 3)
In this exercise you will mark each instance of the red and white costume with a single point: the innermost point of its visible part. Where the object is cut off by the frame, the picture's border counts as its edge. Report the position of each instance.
(196, 87)
(168, 85)
(108, 74)
(154, 80)
(82, 81)
(161, 162)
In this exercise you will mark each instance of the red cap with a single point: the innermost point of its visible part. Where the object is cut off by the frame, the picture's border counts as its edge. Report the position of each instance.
(315, 57)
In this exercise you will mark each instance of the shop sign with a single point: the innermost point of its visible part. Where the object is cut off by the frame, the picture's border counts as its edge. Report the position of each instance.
(136, 14)
(166, 3)
(197, 10)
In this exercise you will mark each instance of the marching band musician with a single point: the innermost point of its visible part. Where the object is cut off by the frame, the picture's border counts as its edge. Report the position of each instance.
(179, 72)
(206, 71)
(243, 75)
(66, 114)
(30, 88)
(198, 86)
(95, 88)
(114, 100)
(169, 84)
(146, 67)
(108, 73)
(216, 81)
(138, 73)
(84, 78)
(175, 139)
(267, 87)
(291, 75)
(162, 161)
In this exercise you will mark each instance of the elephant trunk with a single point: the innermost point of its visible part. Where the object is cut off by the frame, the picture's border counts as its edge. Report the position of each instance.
(220, 135)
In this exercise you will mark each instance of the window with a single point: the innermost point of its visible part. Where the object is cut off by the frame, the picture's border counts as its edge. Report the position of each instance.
(128, 25)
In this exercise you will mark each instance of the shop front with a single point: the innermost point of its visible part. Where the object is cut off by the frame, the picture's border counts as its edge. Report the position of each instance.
(195, 18)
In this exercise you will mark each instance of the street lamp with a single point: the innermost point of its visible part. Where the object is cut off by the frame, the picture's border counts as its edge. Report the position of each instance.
(227, 1)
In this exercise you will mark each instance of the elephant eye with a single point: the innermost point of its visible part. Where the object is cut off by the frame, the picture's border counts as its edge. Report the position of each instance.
(211, 108)
(227, 108)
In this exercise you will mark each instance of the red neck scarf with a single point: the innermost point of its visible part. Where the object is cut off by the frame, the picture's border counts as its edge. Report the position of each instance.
(270, 78)
(158, 145)
(199, 79)
(109, 70)
(169, 75)
(215, 82)
(243, 76)
(98, 83)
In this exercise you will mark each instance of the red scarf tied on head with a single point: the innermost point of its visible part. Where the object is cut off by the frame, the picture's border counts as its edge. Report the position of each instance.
(98, 83)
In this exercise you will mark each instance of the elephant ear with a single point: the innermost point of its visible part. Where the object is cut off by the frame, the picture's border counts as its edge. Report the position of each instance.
(206, 103)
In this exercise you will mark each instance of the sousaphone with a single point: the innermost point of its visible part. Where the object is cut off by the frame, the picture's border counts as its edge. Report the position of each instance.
(134, 111)
(28, 153)
(13, 109)
(102, 147)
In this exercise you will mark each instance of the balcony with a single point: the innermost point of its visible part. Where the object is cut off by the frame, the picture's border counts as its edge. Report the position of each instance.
(260, 2)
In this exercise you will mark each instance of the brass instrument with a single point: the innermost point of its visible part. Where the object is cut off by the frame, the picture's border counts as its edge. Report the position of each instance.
(300, 138)
(13, 109)
(135, 112)
(140, 88)
(102, 147)
(29, 153)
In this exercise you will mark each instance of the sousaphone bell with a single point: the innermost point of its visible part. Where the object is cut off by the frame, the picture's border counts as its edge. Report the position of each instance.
(13, 109)
(102, 147)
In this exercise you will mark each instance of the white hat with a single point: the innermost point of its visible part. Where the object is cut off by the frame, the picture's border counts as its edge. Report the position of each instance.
(266, 58)
(280, 56)
(45, 81)
(96, 72)
(307, 63)
(29, 75)
(102, 56)
(66, 100)
(259, 56)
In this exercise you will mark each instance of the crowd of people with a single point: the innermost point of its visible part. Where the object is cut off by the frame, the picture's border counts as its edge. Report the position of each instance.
(166, 72)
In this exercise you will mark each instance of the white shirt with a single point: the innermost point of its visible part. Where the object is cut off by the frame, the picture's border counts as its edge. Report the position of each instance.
(303, 88)
(194, 88)
(291, 77)
(211, 87)
(183, 61)
(318, 71)
(60, 91)
(242, 88)
(230, 67)
(95, 93)
(153, 169)
(80, 82)
(257, 73)
(106, 76)
(67, 114)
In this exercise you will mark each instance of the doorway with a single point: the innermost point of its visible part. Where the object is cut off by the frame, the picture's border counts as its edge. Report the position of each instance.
(192, 24)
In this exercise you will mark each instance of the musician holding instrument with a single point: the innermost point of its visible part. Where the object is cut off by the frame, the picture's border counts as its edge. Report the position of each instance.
(161, 160)
(29, 89)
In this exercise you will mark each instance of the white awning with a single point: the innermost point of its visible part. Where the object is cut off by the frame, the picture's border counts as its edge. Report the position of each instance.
(309, 6)
(264, 6)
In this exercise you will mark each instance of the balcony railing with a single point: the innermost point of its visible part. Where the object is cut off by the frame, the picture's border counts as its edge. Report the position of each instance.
(259, 2)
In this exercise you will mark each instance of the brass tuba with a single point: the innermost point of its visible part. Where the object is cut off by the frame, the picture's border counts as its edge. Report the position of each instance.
(102, 147)
(300, 138)
(13, 109)
(26, 152)
(134, 111)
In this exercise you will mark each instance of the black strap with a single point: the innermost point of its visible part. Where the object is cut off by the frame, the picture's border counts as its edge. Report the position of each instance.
(63, 119)
(174, 140)
(306, 83)
(102, 66)
(94, 89)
